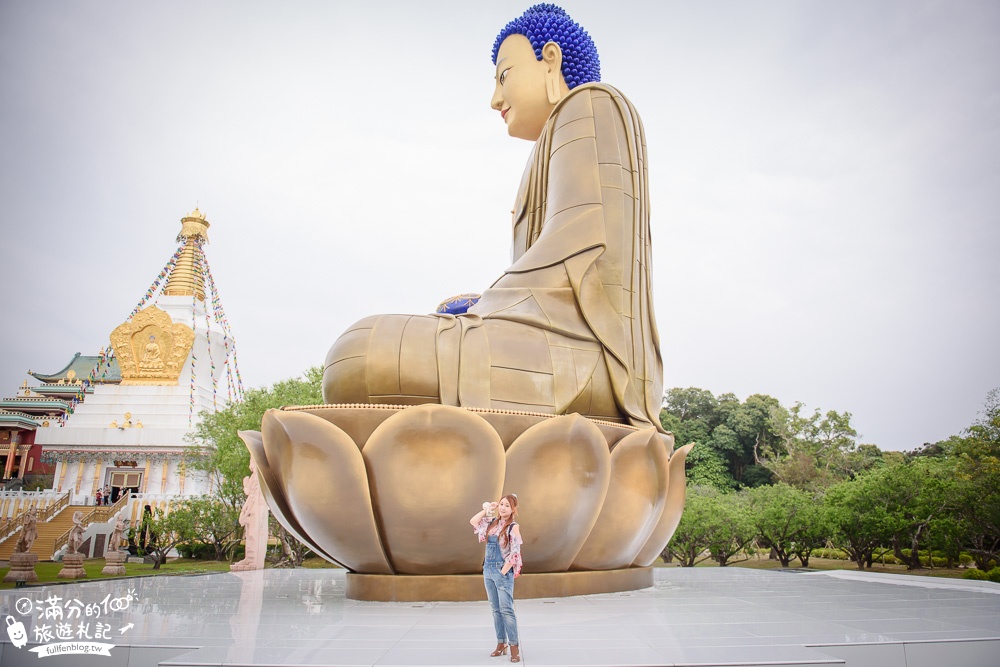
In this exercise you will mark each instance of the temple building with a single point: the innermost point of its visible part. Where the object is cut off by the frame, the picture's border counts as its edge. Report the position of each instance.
(20, 417)
(122, 419)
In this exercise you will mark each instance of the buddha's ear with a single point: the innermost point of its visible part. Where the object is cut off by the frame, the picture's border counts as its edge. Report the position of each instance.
(554, 83)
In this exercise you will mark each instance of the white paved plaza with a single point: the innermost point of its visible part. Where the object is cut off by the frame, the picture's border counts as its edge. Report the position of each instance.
(703, 616)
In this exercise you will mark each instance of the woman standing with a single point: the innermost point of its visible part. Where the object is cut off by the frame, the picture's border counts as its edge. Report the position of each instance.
(500, 567)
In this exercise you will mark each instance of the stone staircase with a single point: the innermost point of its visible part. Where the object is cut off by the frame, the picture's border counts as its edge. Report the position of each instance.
(48, 533)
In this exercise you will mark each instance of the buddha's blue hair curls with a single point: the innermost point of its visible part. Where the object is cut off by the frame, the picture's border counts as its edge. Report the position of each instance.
(548, 23)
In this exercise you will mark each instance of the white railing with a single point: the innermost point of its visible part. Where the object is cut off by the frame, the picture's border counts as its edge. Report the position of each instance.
(10, 526)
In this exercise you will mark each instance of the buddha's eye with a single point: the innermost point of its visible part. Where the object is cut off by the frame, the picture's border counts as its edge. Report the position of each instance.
(503, 76)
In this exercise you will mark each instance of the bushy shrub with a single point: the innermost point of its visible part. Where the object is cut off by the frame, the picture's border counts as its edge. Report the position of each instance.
(994, 575)
(964, 559)
(975, 574)
(196, 551)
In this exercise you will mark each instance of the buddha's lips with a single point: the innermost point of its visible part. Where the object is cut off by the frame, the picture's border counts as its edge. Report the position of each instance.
(503, 113)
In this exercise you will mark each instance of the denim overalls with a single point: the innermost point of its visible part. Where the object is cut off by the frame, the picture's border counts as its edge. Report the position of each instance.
(500, 591)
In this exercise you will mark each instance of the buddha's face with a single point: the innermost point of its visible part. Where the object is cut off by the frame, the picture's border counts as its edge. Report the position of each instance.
(521, 96)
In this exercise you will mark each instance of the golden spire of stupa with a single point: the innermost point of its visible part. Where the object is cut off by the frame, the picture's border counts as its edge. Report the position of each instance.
(186, 279)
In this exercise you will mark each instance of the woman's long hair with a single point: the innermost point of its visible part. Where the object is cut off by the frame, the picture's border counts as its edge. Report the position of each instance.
(505, 523)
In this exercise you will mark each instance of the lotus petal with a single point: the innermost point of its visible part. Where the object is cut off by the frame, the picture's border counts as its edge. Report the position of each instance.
(326, 487)
(273, 494)
(633, 506)
(672, 510)
(559, 469)
(431, 467)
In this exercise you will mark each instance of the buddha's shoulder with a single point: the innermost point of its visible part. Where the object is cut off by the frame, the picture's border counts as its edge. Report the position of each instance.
(590, 99)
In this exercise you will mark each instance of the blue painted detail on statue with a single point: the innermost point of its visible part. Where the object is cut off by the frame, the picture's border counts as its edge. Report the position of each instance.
(545, 23)
(457, 305)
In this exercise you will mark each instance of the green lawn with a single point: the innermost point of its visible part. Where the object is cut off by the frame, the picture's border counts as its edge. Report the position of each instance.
(47, 571)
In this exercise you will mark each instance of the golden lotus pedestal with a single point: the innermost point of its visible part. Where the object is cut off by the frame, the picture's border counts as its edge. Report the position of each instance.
(470, 588)
(387, 493)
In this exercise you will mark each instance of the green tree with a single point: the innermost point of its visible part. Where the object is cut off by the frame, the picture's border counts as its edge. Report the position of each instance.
(215, 524)
(714, 525)
(977, 509)
(980, 446)
(761, 442)
(692, 414)
(691, 540)
(810, 452)
(692, 404)
(785, 519)
(723, 428)
(167, 531)
(732, 528)
(977, 483)
(754, 429)
(223, 456)
(289, 551)
(864, 458)
(224, 459)
(706, 466)
(856, 514)
(917, 495)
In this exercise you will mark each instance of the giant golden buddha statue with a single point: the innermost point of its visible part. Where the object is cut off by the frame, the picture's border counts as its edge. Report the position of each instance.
(569, 327)
(549, 387)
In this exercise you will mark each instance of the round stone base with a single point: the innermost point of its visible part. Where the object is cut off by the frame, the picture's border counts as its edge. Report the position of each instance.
(72, 567)
(469, 587)
(22, 568)
(115, 563)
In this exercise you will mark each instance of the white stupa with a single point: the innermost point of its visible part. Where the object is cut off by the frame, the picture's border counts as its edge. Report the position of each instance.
(143, 398)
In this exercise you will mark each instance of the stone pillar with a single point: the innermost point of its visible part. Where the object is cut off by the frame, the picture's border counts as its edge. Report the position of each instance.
(62, 474)
(97, 476)
(11, 454)
(163, 480)
(79, 477)
(24, 463)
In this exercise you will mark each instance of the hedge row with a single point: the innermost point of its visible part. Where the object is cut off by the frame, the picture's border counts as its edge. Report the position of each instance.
(933, 559)
(978, 575)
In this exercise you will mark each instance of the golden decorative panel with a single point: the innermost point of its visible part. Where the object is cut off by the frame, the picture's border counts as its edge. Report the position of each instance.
(151, 348)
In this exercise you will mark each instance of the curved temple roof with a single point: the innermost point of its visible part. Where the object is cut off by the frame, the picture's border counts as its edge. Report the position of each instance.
(81, 365)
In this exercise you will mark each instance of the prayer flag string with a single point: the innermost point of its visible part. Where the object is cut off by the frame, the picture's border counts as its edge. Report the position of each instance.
(234, 382)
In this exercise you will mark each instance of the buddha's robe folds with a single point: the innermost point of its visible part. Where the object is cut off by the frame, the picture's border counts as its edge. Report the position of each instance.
(569, 327)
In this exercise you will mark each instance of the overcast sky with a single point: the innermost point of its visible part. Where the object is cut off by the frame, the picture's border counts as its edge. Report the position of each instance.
(825, 182)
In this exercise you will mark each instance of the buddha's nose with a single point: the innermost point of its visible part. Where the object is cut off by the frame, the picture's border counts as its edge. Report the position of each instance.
(497, 101)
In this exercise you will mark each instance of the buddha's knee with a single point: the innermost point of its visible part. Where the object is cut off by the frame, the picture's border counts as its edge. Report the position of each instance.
(384, 359)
